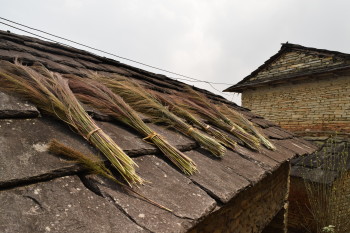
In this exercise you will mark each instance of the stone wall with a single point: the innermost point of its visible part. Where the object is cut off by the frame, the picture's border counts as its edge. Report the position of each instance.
(315, 105)
(252, 209)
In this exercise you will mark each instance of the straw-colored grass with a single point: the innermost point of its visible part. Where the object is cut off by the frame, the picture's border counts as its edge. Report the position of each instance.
(99, 96)
(240, 120)
(174, 104)
(51, 93)
(95, 165)
(147, 104)
(200, 104)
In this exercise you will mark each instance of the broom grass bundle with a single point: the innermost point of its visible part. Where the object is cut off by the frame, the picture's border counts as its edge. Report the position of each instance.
(246, 124)
(200, 104)
(51, 93)
(100, 97)
(174, 104)
(145, 103)
(95, 165)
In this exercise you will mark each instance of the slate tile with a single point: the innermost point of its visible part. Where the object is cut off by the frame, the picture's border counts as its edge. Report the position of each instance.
(293, 145)
(127, 138)
(262, 160)
(281, 154)
(310, 144)
(13, 107)
(224, 177)
(23, 150)
(175, 138)
(60, 205)
(271, 134)
(280, 132)
(133, 144)
(167, 187)
(260, 122)
(26, 156)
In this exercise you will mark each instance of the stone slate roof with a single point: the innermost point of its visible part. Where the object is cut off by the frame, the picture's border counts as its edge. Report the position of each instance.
(270, 72)
(41, 192)
(327, 163)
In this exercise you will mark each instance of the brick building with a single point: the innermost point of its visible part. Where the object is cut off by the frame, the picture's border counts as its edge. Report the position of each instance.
(301, 89)
(307, 90)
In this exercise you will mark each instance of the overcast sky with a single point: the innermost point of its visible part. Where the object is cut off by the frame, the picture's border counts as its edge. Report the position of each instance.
(210, 40)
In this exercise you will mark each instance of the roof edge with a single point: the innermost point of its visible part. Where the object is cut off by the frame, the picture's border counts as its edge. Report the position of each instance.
(241, 87)
(286, 47)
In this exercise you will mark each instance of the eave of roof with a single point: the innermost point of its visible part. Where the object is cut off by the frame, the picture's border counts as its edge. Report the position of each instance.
(287, 47)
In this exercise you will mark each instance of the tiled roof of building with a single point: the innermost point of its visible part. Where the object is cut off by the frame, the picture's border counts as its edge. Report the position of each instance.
(40, 191)
(292, 63)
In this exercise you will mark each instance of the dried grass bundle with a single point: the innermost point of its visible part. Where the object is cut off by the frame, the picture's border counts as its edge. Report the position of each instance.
(247, 125)
(174, 104)
(144, 102)
(200, 104)
(51, 93)
(99, 96)
(95, 165)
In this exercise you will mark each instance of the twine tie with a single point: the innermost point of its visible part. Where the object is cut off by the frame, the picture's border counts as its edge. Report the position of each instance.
(92, 132)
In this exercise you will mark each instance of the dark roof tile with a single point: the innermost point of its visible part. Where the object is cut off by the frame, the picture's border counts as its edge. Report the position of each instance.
(24, 155)
(167, 187)
(61, 205)
(12, 107)
(221, 182)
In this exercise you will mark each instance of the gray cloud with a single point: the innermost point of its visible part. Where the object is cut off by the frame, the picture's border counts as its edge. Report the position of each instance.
(212, 40)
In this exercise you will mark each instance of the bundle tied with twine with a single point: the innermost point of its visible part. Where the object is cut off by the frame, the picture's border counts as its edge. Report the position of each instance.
(100, 97)
(51, 93)
(95, 165)
(239, 119)
(199, 103)
(175, 104)
(143, 102)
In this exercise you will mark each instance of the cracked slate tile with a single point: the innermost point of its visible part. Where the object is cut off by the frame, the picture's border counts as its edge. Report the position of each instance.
(23, 150)
(133, 144)
(13, 107)
(167, 187)
(60, 205)
(26, 157)
(224, 177)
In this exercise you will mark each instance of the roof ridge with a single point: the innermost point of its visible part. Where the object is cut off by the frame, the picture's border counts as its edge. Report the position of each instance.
(285, 47)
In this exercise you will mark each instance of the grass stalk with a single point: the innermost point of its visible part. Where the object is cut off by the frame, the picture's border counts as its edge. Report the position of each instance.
(247, 125)
(100, 97)
(94, 164)
(146, 103)
(50, 93)
(174, 105)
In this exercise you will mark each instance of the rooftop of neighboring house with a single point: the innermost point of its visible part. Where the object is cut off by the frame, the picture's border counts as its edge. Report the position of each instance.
(328, 163)
(39, 190)
(293, 63)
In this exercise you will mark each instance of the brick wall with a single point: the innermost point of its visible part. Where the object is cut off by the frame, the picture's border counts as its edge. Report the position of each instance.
(252, 209)
(294, 62)
(316, 105)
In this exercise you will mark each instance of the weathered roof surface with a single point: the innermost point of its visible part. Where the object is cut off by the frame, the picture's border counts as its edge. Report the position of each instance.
(294, 62)
(41, 192)
(327, 163)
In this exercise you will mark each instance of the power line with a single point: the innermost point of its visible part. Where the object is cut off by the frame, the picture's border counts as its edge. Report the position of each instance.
(186, 78)
(102, 51)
